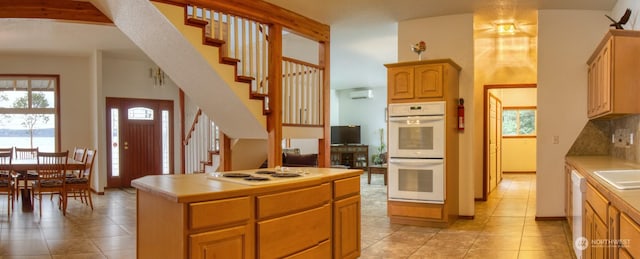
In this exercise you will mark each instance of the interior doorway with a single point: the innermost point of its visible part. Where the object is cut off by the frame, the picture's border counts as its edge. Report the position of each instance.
(509, 132)
(139, 133)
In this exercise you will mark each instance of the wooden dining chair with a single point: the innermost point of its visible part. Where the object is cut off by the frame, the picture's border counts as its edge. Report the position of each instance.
(6, 183)
(26, 153)
(79, 154)
(25, 176)
(5, 173)
(81, 187)
(51, 169)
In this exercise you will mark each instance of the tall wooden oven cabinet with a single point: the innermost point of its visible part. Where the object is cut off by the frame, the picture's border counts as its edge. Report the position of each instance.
(426, 81)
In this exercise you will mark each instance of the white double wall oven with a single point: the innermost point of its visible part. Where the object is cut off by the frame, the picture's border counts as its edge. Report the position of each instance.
(417, 152)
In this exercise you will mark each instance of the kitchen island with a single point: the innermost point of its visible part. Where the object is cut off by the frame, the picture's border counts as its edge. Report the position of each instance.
(316, 215)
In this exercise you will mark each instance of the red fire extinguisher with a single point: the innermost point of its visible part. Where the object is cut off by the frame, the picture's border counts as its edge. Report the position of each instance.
(461, 114)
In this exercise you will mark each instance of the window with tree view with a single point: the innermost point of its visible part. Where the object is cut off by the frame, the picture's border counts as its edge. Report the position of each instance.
(28, 112)
(519, 122)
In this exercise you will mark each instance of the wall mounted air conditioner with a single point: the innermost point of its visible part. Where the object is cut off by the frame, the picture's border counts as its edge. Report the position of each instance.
(361, 94)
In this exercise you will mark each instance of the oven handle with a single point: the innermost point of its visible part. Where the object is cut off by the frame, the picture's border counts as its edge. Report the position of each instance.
(416, 161)
(417, 118)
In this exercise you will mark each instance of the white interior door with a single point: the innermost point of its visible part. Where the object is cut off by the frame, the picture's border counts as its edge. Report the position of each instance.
(499, 141)
(492, 124)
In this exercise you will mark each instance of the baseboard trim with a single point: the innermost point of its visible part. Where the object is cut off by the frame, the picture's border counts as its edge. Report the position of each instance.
(550, 218)
(97, 193)
(518, 172)
(466, 217)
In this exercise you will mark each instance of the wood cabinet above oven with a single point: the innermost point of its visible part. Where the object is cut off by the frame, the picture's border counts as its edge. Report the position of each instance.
(420, 81)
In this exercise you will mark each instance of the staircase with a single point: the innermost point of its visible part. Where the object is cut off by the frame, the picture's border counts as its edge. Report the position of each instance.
(222, 60)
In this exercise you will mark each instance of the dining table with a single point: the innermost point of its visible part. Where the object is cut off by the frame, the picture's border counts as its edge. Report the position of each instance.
(24, 165)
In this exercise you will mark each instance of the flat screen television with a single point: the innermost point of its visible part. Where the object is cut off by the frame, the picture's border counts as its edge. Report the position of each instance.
(345, 135)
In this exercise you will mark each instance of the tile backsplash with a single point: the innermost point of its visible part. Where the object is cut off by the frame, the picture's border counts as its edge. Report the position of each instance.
(594, 139)
(617, 137)
(626, 130)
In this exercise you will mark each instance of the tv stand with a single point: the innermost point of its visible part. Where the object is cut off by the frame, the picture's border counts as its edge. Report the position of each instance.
(351, 155)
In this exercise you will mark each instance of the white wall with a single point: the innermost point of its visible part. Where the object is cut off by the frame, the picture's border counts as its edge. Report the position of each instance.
(566, 40)
(335, 108)
(75, 82)
(519, 154)
(452, 37)
(368, 113)
(518, 97)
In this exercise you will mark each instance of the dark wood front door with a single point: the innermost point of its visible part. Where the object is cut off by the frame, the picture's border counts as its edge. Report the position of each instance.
(139, 139)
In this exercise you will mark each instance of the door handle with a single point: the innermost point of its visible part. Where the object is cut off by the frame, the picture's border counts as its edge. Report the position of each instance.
(417, 162)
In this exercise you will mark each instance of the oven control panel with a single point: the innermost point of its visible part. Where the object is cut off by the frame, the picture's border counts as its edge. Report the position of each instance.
(416, 109)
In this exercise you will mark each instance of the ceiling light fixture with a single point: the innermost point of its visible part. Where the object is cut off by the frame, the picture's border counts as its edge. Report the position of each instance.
(506, 28)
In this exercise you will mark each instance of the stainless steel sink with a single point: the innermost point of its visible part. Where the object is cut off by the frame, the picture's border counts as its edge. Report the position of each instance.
(621, 179)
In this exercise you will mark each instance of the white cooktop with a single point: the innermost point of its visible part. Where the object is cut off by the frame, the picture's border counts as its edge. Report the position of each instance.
(263, 176)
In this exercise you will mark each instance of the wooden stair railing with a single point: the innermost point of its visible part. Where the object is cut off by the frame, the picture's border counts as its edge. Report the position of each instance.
(200, 143)
(302, 85)
(196, 118)
(244, 43)
(248, 35)
(241, 42)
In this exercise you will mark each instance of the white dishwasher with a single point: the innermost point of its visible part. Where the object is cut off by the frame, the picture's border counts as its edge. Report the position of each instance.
(578, 187)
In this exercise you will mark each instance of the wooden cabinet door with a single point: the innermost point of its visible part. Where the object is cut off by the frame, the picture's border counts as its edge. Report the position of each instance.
(629, 235)
(400, 82)
(429, 81)
(614, 230)
(346, 228)
(592, 89)
(599, 92)
(588, 222)
(600, 232)
(604, 85)
(226, 243)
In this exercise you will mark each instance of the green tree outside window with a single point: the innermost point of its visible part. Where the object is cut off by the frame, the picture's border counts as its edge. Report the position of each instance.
(519, 122)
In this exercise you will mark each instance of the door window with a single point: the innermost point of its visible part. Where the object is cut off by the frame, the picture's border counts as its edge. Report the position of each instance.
(115, 143)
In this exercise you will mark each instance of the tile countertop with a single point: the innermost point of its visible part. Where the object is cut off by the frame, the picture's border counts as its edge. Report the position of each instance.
(185, 188)
(627, 201)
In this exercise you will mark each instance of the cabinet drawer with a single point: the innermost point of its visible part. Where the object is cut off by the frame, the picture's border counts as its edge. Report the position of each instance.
(416, 210)
(629, 233)
(346, 187)
(291, 201)
(321, 251)
(289, 234)
(216, 213)
(598, 202)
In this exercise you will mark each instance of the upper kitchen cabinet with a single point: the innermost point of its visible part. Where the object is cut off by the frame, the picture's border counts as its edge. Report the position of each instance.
(421, 81)
(613, 80)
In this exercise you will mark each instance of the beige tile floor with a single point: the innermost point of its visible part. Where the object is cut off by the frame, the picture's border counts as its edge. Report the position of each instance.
(106, 232)
(504, 227)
